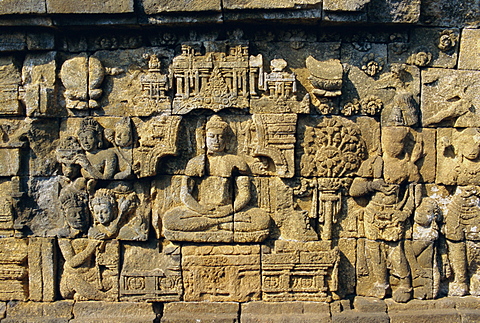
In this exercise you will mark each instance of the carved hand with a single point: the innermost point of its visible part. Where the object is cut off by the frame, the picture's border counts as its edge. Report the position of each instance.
(81, 160)
(222, 211)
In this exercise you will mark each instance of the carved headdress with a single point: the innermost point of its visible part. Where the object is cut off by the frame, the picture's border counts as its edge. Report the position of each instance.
(216, 122)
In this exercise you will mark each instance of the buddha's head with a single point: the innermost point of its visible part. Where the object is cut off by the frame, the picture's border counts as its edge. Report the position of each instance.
(216, 130)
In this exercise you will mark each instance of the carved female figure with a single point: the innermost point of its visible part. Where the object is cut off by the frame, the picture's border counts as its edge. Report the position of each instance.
(81, 275)
(121, 138)
(96, 163)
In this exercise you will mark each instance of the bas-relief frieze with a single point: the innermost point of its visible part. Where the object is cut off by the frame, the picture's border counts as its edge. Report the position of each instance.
(228, 175)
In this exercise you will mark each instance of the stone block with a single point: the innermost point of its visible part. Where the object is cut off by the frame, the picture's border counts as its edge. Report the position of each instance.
(344, 5)
(42, 268)
(425, 316)
(369, 304)
(40, 41)
(283, 312)
(192, 312)
(469, 58)
(352, 316)
(450, 98)
(221, 273)
(438, 45)
(460, 13)
(15, 41)
(3, 309)
(103, 312)
(9, 161)
(270, 4)
(388, 11)
(152, 7)
(149, 275)
(36, 312)
(10, 79)
(15, 7)
(89, 6)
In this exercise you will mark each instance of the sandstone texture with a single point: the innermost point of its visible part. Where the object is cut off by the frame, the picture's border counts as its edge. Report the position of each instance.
(239, 161)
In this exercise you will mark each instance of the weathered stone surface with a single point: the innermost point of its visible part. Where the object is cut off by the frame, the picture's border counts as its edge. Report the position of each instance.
(221, 273)
(13, 269)
(424, 311)
(97, 312)
(10, 79)
(344, 5)
(469, 50)
(277, 166)
(89, 6)
(439, 44)
(256, 4)
(405, 11)
(58, 312)
(190, 312)
(450, 97)
(363, 310)
(273, 312)
(460, 13)
(12, 7)
(39, 84)
(152, 7)
(42, 268)
(148, 274)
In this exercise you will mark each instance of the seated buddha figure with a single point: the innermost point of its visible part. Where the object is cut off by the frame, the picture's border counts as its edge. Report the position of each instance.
(215, 193)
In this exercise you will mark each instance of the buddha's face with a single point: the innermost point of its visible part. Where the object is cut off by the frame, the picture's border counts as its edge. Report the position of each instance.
(215, 140)
(76, 217)
(88, 140)
(103, 212)
(123, 137)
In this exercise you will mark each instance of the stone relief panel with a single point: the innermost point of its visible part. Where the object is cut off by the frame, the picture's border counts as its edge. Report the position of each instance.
(221, 171)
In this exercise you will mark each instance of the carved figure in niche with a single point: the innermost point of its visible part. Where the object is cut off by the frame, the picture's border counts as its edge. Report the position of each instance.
(463, 240)
(122, 139)
(421, 251)
(96, 163)
(218, 204)
(462, 165)
(385, 180)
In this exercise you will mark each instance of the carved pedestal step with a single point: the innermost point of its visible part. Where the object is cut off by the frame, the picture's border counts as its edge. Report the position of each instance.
(301, 271)
(221, 273)
(441, 310)
(292, 312)
(193, 312)
(23, 312)
(148, 275)
(363, 309)
(99, 312)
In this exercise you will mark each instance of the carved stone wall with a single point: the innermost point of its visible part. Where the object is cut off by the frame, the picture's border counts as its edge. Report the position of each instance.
(239, 161)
